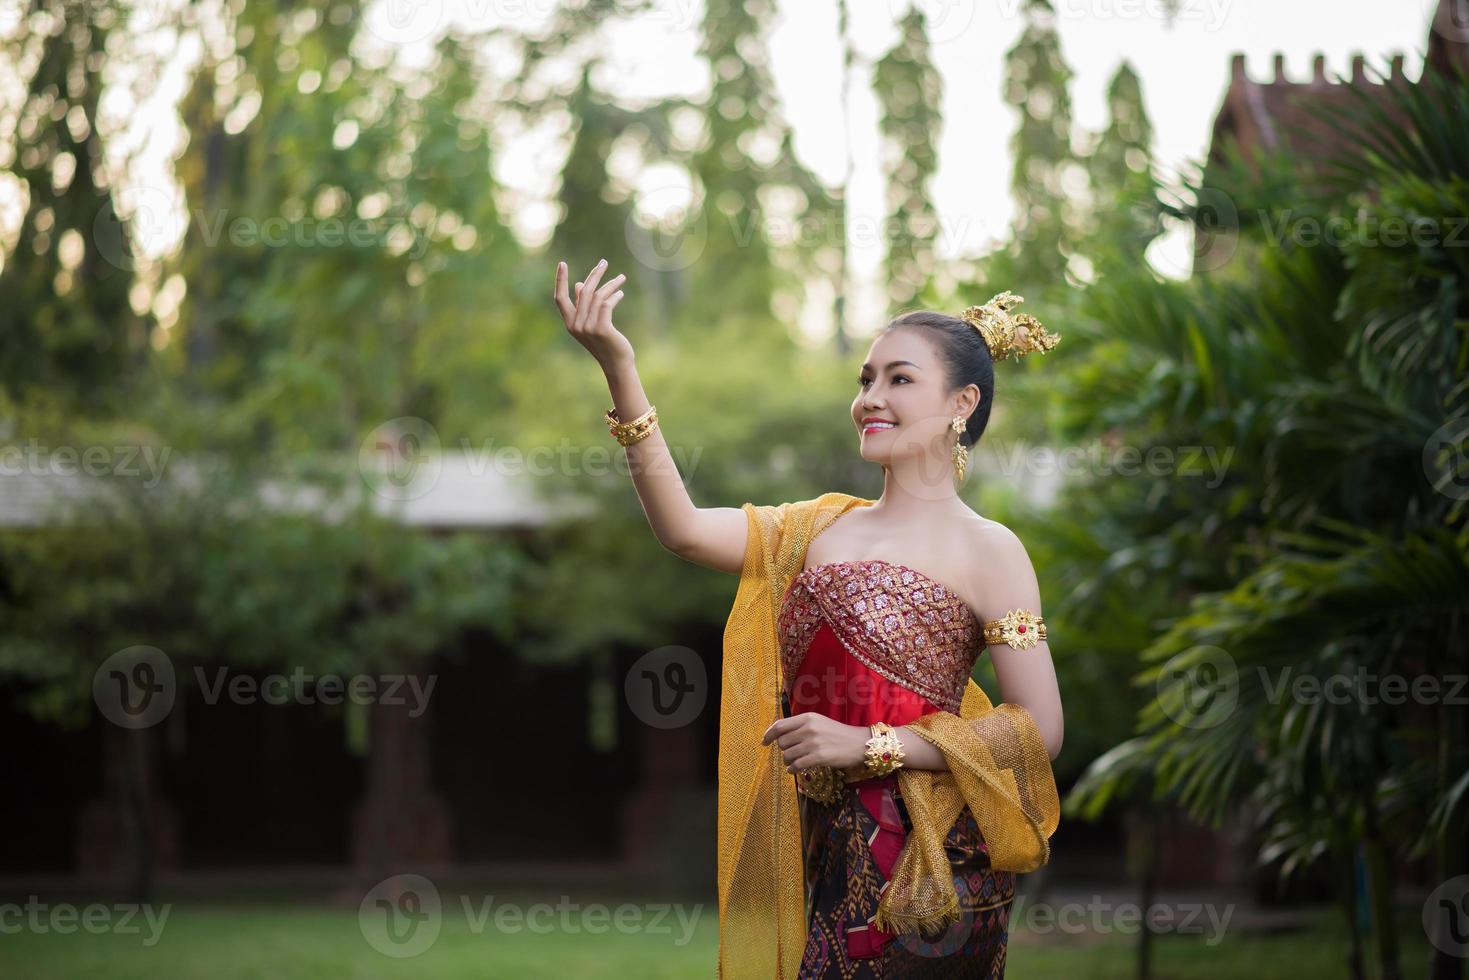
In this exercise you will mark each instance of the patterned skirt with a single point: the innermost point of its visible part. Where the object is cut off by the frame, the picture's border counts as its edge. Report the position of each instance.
(847, 846)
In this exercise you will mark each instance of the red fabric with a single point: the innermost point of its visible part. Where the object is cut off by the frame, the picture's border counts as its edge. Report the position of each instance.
(833, 682)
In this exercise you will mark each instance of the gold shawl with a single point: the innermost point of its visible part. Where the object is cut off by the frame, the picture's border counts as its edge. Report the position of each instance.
(998, 766)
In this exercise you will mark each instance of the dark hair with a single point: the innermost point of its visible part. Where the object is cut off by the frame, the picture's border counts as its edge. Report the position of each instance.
(966, 360)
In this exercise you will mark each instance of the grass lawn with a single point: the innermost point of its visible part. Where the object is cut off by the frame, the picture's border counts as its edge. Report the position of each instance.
(300, 940)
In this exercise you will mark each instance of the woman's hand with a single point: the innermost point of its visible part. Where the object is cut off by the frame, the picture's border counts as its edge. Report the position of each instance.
(589, 319)
(812, 739)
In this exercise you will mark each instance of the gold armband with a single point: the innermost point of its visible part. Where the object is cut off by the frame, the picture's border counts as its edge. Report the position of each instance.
(1018, 628)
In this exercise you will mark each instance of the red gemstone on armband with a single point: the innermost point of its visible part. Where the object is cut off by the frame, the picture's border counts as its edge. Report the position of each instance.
(886, 756)
(1022, 629)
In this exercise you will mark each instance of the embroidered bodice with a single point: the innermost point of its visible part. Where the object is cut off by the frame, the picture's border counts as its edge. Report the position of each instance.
(889, 617)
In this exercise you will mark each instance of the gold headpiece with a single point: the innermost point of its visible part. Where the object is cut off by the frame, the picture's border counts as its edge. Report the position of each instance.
(1007, 333)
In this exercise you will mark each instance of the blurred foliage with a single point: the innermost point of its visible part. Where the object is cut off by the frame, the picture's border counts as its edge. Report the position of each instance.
(1125, 215)
(1316, 373)
(199, 567)
(1044, 161)
(69, 329)
(910, 90)
(1335, 549)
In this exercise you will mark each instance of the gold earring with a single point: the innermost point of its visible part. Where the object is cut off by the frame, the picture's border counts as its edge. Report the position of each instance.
(961, 453)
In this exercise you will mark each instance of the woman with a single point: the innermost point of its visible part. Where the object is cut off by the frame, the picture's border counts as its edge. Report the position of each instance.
(874, 807)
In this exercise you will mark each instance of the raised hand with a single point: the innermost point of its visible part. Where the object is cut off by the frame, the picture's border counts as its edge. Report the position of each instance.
(589, 318)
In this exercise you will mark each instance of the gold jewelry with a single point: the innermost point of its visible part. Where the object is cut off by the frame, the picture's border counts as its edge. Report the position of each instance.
(824, 784)
(1019, 628)
(627, 433)
(884, 750)
(1005, 333)
(961, 452)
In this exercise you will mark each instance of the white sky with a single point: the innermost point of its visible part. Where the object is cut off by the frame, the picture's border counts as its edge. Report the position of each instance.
(1184, 69)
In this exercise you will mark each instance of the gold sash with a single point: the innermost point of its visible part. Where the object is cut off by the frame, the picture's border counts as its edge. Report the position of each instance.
(998, 766)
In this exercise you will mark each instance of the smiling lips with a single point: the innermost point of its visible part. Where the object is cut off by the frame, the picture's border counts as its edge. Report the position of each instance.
(876, 425)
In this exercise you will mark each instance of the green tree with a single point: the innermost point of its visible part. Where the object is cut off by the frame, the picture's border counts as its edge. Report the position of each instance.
(1125, 212)
(1335, 546)
(910, 90)
(1037, 85)
(70, 330)
(749, 186)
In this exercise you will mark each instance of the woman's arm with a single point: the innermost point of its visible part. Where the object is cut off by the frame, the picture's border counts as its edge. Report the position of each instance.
(1003, 580)
(714, 537)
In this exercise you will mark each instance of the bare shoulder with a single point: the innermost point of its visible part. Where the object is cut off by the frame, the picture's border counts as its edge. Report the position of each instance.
(995, 541)
(1002, 575)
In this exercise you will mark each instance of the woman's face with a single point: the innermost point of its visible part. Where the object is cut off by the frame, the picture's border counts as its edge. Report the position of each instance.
(902, 382)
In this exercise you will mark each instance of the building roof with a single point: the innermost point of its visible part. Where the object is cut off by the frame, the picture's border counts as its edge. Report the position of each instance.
(1282, 114)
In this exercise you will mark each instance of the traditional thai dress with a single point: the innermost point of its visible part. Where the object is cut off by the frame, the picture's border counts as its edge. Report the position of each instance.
(929, 850)
(869, 641)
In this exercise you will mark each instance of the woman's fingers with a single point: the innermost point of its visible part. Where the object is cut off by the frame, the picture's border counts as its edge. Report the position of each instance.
(588, 290)
(592, 305)
(597, 315)
(610, 286)
(605, 317)
(800, 760)
(561, 297)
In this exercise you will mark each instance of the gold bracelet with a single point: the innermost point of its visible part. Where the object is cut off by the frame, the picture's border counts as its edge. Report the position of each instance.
(1018, 628)
(827, 784)
(627, 433)
(884, 750)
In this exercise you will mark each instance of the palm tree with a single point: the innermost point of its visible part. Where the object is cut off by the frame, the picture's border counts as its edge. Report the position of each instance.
(1335, 547)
